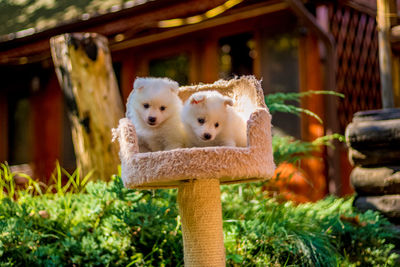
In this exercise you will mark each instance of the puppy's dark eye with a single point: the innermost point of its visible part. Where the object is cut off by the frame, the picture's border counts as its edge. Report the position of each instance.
(201, 120)
(162, 108)
(146, 105)
(216, 125)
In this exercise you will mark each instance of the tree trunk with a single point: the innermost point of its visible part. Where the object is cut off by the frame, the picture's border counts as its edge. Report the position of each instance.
(84, 69)
(385, 52)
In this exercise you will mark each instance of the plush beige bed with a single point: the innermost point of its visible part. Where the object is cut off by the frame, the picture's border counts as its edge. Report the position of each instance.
(167, 169)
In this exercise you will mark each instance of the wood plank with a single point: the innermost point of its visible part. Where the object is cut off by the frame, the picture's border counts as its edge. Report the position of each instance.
(47, 129)
(128, 75)
(364, 6)
(250, 13)
(27, 53)
(209, 65)
(133, 24)
(311, 80)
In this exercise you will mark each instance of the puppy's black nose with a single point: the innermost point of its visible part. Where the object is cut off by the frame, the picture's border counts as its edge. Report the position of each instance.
(207, 136)
(152, 119)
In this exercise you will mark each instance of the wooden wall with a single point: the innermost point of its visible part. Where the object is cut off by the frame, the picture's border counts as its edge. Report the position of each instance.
(48, 124)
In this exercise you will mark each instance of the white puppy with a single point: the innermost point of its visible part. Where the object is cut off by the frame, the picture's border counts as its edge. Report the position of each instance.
(154, 108)
(210, 120)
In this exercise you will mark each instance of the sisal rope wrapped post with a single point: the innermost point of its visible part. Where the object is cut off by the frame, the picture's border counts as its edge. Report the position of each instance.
(201, 215)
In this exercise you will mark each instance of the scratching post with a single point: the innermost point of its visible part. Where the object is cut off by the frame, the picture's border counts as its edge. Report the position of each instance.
(198, 172)
(201, 216)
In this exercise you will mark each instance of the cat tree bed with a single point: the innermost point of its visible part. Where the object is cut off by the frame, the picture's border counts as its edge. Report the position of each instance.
(198, 172)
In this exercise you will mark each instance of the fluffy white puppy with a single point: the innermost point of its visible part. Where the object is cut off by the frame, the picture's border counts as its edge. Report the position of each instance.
(210, 120)
(154, 108)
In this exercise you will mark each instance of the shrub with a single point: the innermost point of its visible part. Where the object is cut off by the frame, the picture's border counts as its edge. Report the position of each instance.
(109, 225)
(327, 233)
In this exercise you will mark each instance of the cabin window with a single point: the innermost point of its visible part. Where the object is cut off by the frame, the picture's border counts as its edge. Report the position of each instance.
(236, 55)
(280, 73)
(20, 129)
(175, 67)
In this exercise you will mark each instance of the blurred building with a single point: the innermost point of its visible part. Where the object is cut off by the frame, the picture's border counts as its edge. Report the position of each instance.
(292, 45)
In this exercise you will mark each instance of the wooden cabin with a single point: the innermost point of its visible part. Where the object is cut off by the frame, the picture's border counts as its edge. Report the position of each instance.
(292, 45)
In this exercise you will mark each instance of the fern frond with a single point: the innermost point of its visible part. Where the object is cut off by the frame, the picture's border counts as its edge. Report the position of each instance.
(278, 102)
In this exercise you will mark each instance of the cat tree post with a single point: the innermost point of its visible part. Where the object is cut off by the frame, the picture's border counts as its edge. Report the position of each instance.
(201, 216)
(198, 172)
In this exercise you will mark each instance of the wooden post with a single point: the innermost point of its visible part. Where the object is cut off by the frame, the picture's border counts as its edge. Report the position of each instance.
(385, 53)
(311, 80)
(209, 67)
(128, 75)
(84, 70)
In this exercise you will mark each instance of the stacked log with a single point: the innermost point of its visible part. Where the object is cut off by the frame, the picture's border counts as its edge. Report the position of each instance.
(373, 138)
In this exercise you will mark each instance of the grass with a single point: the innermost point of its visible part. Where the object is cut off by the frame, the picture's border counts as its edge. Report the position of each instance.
(8, 186)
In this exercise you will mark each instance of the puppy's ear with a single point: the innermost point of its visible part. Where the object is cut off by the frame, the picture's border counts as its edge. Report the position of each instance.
(197, 99)
(228, 101)
(173, 86)
(138, 84)
(174, 89)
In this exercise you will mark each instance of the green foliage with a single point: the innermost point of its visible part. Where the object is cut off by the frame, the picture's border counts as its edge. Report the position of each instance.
(278, 102)
(75, 183)
(327, 233)
(288, 149)
(8, 186)
(109, 225)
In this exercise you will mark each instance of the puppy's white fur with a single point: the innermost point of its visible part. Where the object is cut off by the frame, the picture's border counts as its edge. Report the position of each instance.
(210, 120)
(154, 108)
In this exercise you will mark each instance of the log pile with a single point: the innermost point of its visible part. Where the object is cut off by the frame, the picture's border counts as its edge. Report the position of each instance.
(373, 138)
